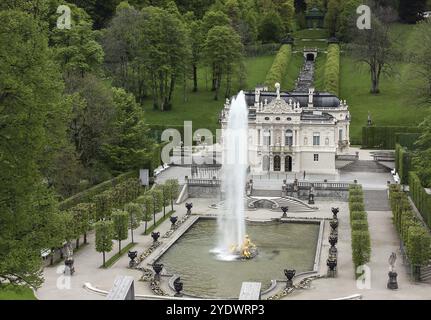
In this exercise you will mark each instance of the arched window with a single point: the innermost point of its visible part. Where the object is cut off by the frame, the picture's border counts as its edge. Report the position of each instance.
(289, 137)
(266, 137)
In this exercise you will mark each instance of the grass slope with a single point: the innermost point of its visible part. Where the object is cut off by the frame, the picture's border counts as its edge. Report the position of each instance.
(200, 107)
(9, 292)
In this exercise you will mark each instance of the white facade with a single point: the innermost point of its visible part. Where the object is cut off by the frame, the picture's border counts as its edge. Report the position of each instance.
(294, 132)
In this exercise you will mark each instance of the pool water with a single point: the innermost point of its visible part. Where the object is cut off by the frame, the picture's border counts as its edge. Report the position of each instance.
(281, 246)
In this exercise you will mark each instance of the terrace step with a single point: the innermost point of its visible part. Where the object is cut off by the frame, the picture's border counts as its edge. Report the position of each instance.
(365, 166)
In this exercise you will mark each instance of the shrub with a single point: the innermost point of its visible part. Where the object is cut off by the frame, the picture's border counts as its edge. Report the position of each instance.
(332, 69)
(356, 206)
(361, 247)
(279, 66)
(413, 234)
(420, 197)
(358, 215)
(360, 224)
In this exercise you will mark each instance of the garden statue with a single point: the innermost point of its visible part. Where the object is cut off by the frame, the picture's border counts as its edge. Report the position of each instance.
(333, 239)
(369, 122)
(248, 249)
(289, 275)
(392, 282)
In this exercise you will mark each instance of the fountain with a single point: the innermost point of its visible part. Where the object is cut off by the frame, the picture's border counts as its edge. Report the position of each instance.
(232, 240)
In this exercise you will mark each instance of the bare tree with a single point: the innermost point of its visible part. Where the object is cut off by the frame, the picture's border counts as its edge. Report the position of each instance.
(374, 46)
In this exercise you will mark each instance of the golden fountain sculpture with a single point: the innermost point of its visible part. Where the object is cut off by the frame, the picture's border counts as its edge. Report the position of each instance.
(247, 250)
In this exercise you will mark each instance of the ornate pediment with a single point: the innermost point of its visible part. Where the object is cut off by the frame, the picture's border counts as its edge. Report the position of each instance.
(278, 105)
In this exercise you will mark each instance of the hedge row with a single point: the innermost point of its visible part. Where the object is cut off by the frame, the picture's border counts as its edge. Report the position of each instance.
(279, 66)
(88, 195)
(407, 140)
(383, 137)
(420, 197)
(332, 69)
(402, 163)
(413, 234)
(361, 243)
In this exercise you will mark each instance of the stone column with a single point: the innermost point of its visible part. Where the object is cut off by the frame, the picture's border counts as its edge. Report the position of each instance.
(271, 163)
(282, 161)
(272, 136)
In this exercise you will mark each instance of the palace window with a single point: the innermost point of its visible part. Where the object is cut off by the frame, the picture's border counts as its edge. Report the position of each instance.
(316, 139)
(316, 157)
(289, 137)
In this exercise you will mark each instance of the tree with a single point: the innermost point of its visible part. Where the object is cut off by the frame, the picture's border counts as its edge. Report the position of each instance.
(91, 124)
(104, 237)
(157, 197)
(164, 51)
(120, 220)
(103, 205)
(76, 48)
(130, 145)
(135, 216)
(331, 16)
(164, 189)
(409, 10)
(172, 187)
(82, 215)
(374, 47)
(346, 23)
(223, 51)
(271, 28)
(197, 40)
(147, 203)
(287, 14)
(121, 42)
(30, 104)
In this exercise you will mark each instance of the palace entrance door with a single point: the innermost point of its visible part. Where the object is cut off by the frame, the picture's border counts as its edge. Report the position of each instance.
(277, 163)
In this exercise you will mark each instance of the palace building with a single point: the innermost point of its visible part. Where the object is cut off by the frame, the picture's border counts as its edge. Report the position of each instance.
(294, 131)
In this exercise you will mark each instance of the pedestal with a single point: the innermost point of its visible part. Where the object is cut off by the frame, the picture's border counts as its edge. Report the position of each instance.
(392, 282)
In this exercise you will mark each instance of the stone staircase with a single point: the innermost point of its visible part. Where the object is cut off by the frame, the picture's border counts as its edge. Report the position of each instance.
(275, 204)
(426, 273)
(365, 166)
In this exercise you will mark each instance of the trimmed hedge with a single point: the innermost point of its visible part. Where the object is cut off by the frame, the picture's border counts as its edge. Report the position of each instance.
(88, 195)
(332, 69)
(402, 163)
(383, 137)
(407, 140)
(413, 234)
(420, 197)
(278, 69)
(361, 243)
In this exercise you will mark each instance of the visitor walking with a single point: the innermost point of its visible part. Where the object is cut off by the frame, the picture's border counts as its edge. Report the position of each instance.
(304, 175)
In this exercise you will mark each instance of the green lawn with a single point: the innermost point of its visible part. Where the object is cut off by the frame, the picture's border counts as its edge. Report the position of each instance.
(319, 74)
(393, 106)
(16, 293)
(397, 103)
(200, 107)
(310, 34)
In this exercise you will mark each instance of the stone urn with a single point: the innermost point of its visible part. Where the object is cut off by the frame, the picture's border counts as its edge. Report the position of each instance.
(189, 207)
(155, 236)
(132, 256)
(334, 224)
(333, 239)
(173, 221)
(392, 282)
(332, 265)
(157, 267)
(335, 212)
(284, 209)
(178, 286)
(289, 275)
(311, 198)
